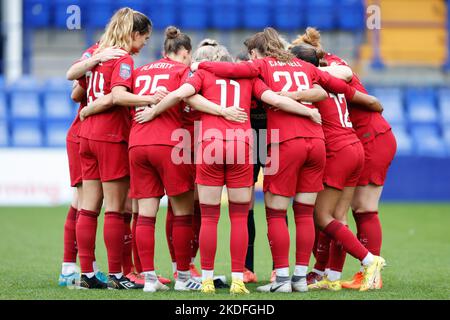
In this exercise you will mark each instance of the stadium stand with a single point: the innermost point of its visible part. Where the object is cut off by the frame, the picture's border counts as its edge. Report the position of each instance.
(420, 117)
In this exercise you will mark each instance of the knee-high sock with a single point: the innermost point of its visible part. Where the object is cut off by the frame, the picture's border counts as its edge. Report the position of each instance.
(316, 241)
(208, 235)
(337, 231)
(196, 223)
(249, 259)
(305, 232)
(145, 241)
(113, 231)
(182, 241)
(323, 251)
(169, 231)
(337, 256)
(369, 231)
(239, 235)
(278, 234)
(136, 260)
(127, 260)
(86, 231)
(70, 237)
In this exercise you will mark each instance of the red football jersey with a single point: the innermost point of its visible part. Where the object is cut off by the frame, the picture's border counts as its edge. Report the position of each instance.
(162, 73)
(74, 130)
(226, 93)
(337, 127)
(114, 124)
(366, 123)
(279, 76)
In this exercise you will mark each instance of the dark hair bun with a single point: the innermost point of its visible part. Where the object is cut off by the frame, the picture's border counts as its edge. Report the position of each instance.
(172, 32)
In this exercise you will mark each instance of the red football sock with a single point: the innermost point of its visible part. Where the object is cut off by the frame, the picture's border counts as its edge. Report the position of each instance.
(127, 260)
(70, 238)
(239, 235)
(136, 260)
(145, 240)
(337, 256)
(323, 250)
(316, 240)
(196, 223)
(86, 231)
(169, 232)
(278, 234)
(182, 241)
(337, 231)
(369, 231)
(208, 235)
(113, 231)
(305, 232)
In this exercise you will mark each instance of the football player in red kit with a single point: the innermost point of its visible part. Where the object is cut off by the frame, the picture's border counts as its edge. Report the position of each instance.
(299, 140)
(69, 271)
(103, 150)
(230, 165)
(345, 159)
(379, 147)
(153, 173)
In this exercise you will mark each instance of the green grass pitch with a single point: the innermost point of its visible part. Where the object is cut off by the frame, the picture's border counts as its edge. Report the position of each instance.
(416, 246)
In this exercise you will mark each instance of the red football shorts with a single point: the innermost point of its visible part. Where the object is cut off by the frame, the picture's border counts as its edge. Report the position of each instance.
(153, 171)
(105, 161)
(379, 153)
(344, 167)
(301, 164)
(222, 163)
(73, 153)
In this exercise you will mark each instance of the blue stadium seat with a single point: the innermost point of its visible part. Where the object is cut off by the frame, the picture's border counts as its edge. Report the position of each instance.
(26, 134)
(193, 14)
(225, 14)
(4, 136)
(404, 141)
(257, 14)
(25, 105)
(321, 14)
(391, 99)
(98, 13)
(421, 105)
(351, 15)
(3, 106)
(25, 83)
(289, 15)
(60, 14)
(446, 136)
(36, 13)
(138, 5)
(57, 105)
(56, 133)
(444, 105)
(163, 13)
(59, 84)
(427, 141)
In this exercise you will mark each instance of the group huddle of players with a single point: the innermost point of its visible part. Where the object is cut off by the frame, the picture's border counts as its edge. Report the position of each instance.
(327, 149)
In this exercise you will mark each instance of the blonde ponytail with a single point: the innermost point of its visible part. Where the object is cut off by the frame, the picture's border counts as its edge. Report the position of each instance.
(119, 31)
(311, 36)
